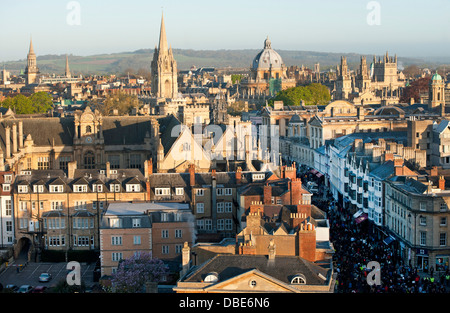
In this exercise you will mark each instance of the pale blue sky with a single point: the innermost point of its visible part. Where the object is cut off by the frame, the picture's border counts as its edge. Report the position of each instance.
(407, 27)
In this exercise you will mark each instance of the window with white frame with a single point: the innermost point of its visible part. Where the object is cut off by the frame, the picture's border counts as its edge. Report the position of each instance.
(178, 233)
(179, 191)
(8, 208)
(22, 188)
(228, 224)
(116, 240)
(115, 222)
(80, 205)
(8, 179)
(56, 188)
(56, 241)
(220, 224)
(162, 191)
(6, 187)
(56, 205)
(208, 224)
(164, 233)
(55, 223)
(136, 222)
(23, 205)
(199, 192)
(114, 187)
(442, 239)
(97, 188)
(423, 238)
(200, 207)
(80, 188)
(116, 256)
(133, 187)
(38, 188)
(137, 240)
(165, 249)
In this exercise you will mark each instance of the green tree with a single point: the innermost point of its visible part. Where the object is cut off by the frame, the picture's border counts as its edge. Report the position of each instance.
(312, 94)
(122, 102)
(39, 102)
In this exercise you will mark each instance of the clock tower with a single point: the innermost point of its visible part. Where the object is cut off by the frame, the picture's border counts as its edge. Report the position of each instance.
(88, 139)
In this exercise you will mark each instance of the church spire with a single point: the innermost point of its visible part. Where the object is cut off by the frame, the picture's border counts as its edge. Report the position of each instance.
(67, 67)
(31, 47)
(162, 36)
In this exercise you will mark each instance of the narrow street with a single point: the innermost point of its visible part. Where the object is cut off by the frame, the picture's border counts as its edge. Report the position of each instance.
(355, 246)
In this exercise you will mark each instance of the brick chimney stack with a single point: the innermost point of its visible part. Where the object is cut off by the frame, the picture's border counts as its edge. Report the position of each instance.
(192, 175)
(441, 182)
(307, 242)
(238, 175)
(267, 194)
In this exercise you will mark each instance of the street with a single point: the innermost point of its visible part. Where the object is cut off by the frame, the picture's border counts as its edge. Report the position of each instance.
(29, 275)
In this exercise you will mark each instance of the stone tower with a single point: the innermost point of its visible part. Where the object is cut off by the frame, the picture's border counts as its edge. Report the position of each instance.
(31, 71)
(67, 71)
(164, 68)
(436, 92)
(343, 82)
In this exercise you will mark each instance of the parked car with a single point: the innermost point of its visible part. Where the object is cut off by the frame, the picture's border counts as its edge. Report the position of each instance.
(45, 277)
(313, 187)
(39, 289)
(25, 289)
(11, 288)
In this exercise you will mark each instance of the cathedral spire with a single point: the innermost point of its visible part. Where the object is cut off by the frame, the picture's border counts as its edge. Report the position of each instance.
(162, 36)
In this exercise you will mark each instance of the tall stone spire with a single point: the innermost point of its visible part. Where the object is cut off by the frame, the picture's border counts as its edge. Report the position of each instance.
(31, 70)
(67, 72)
(162, 36)
(164, 68)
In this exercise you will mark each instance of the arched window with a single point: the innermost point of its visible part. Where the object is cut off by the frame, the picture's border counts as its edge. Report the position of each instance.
(88, 129)
(298, 279)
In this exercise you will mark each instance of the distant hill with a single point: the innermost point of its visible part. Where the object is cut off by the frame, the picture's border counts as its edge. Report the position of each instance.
(118, 63)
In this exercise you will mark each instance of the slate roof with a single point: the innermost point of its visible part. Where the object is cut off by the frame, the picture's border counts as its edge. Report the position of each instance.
(283, 268)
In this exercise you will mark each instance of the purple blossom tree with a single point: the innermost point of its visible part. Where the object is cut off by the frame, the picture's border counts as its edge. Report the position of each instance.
(134, 272)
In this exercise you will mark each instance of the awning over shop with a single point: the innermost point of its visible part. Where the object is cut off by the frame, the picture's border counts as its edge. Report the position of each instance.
(361, 218)
(319, 174)
(388, 240)
(313, 171)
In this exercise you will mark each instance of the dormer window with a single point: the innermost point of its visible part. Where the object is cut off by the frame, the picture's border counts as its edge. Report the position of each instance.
(38, 188)
(298, 279)
(115, 187)
(97, 188)
(8, 179)
(6, 187)
(80, 188)
(133, 187)
(22, 188)
(56, 188)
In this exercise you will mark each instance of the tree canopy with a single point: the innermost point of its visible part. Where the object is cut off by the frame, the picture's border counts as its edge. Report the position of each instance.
(39, 102)
(133, 273)
(415, 88)
(120, 101)
(312, 94)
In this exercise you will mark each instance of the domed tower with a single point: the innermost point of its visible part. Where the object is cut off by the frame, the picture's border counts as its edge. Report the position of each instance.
(268, 73)
(436, 91)
(268, 63)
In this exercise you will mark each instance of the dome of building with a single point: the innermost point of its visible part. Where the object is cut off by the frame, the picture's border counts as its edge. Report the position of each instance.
(436, 76)
(267, 57)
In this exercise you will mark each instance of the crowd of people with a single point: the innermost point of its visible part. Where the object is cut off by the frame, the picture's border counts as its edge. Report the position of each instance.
(355, 247)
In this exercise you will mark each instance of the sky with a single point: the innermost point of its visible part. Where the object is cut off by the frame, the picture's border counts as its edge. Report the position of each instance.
(408, 28)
